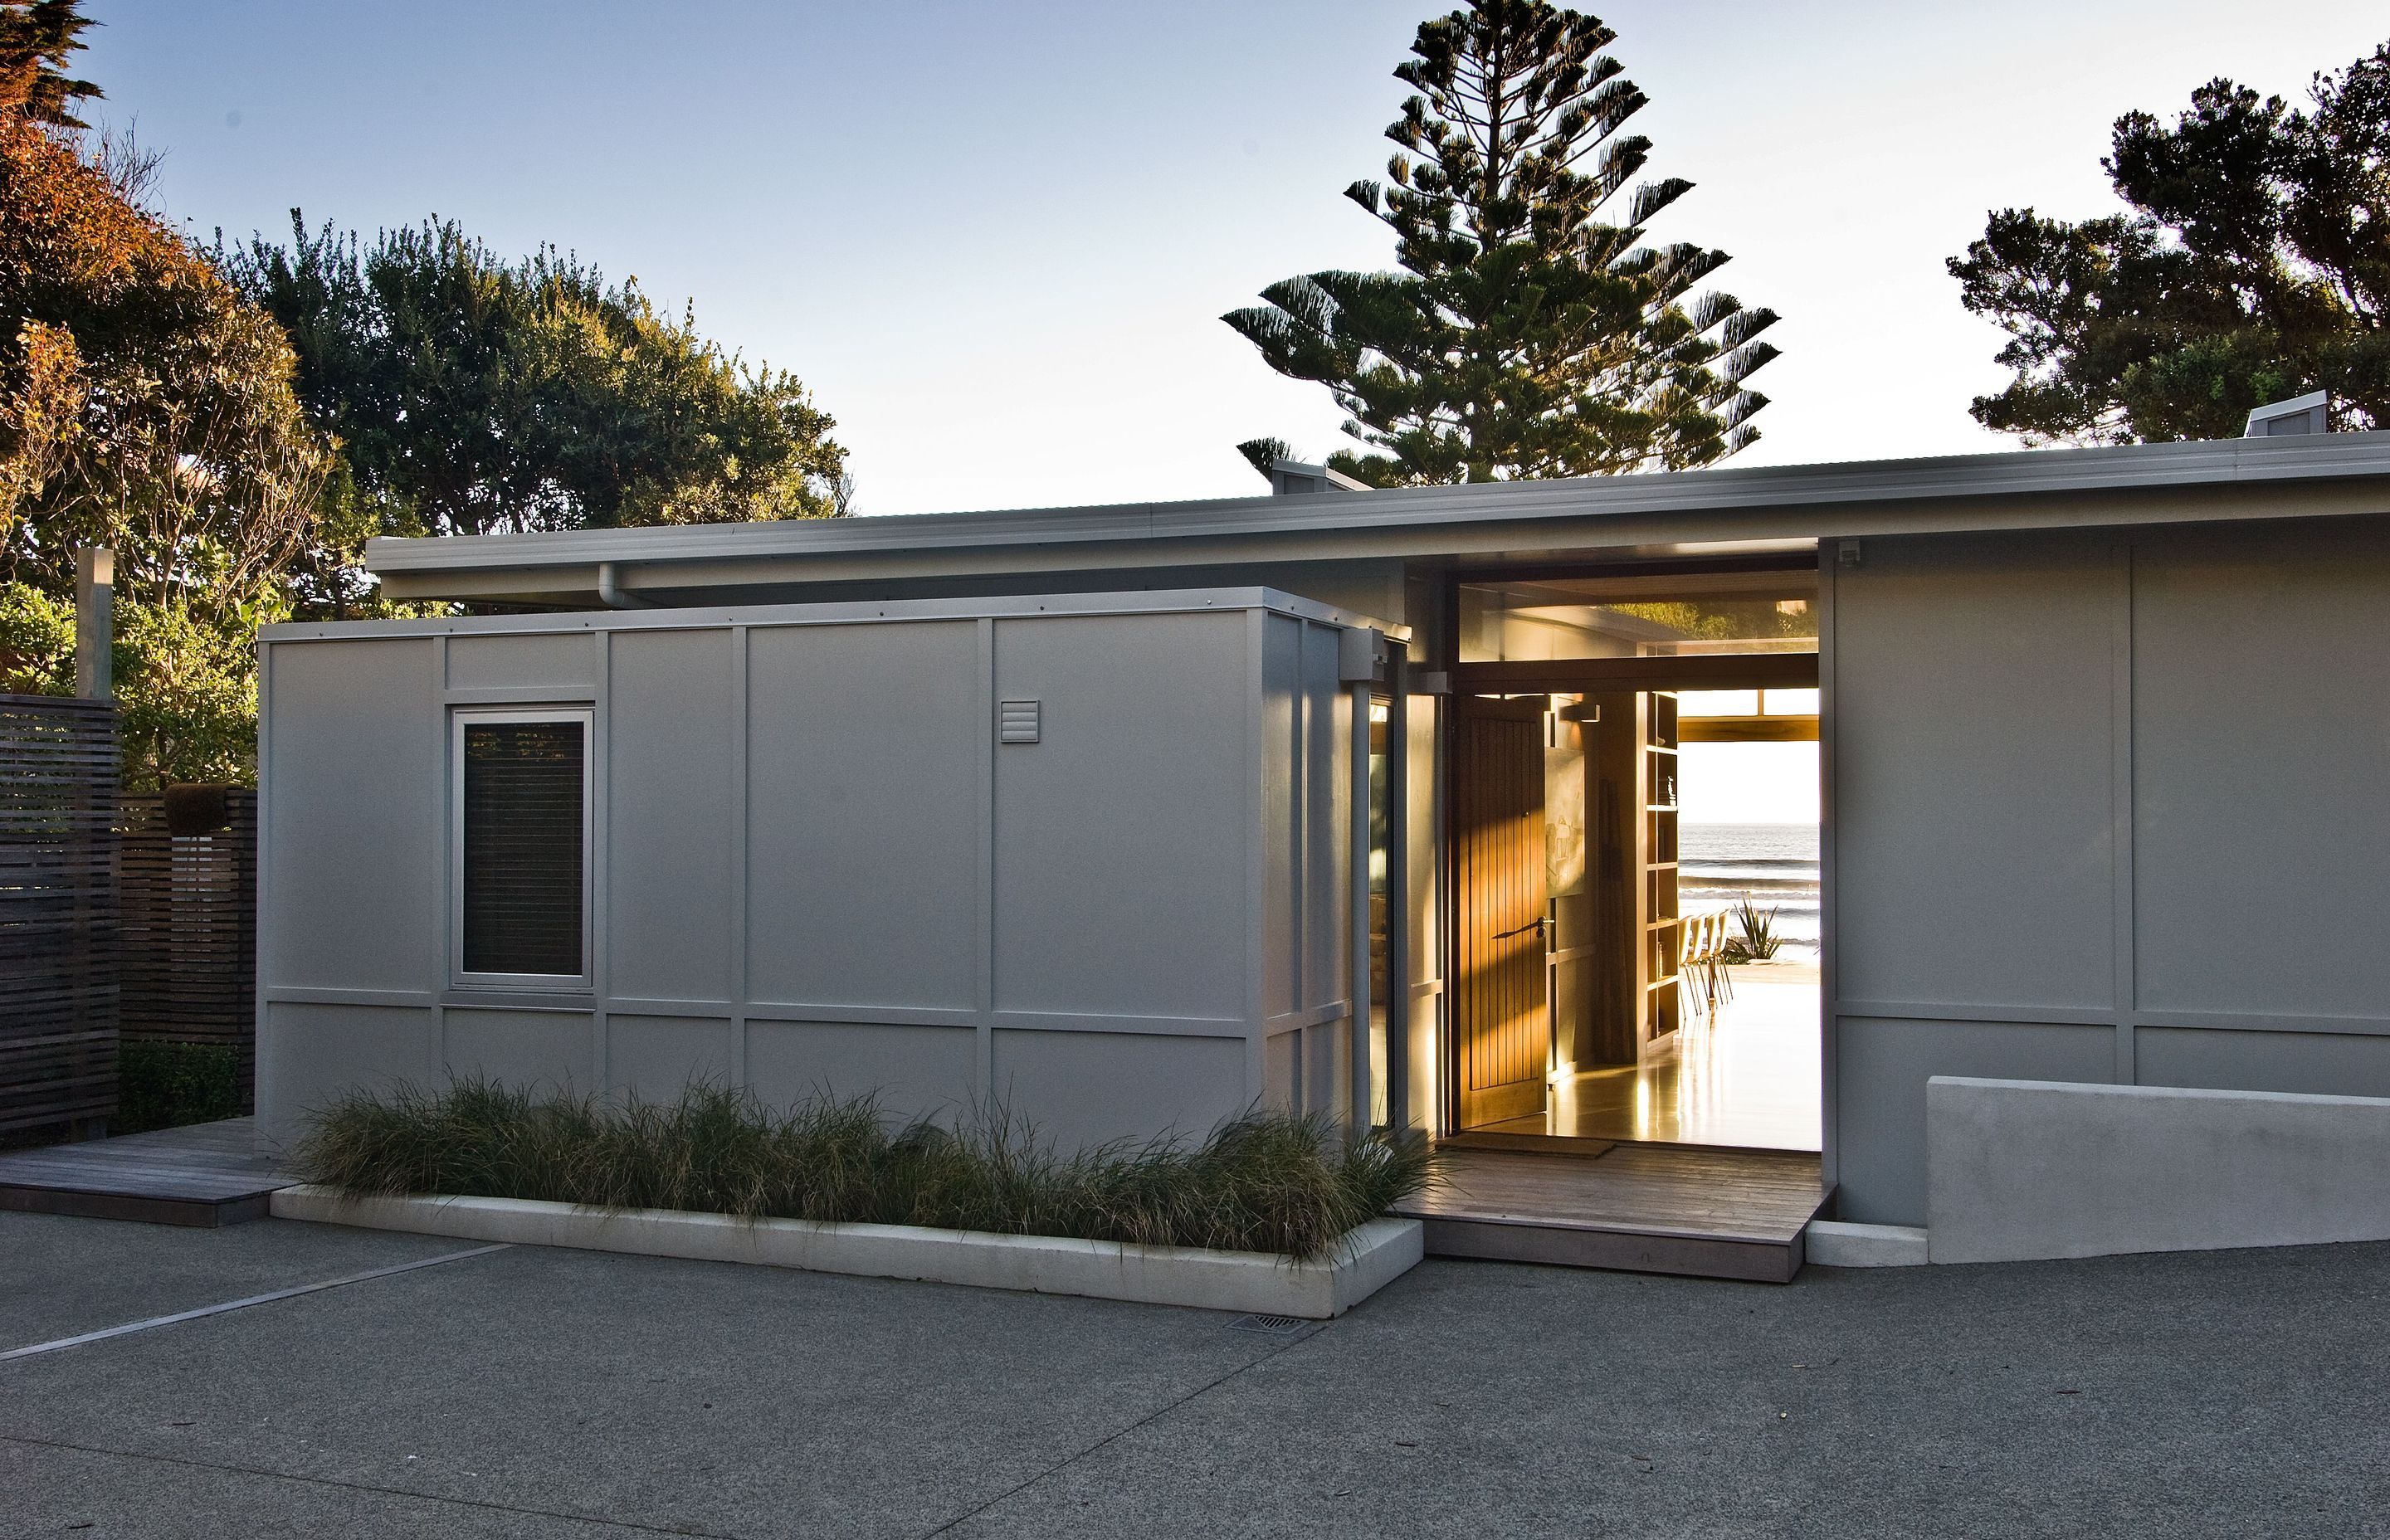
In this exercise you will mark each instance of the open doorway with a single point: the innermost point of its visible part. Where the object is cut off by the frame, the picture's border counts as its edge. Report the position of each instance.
(1635, 865)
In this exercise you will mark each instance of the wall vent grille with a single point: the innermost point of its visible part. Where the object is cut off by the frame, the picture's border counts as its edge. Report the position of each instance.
(1017, 722)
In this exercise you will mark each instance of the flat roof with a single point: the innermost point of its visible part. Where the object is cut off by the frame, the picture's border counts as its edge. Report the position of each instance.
(1712, 511)
(1178, 601)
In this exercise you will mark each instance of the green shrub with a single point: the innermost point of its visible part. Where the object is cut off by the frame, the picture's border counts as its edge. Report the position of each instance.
(1755, 939)
(169, 1085)
(1265, 1181)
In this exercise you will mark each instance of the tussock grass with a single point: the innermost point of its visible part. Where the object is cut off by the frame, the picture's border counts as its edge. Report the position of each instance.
(1264, 1182)
(1756, 940)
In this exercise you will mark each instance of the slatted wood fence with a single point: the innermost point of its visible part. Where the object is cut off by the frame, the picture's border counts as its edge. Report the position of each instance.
(189, 886)
(58, 936)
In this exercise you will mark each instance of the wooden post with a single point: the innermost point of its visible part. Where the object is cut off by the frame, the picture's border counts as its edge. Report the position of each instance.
(94, 624)
(94, 680)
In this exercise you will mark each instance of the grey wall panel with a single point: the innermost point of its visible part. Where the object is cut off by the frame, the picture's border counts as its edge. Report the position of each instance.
(2261, 756)
(540, 665)
(1281, 813)
(1122, 837)
(1327, 751)
(1327, 1068)
(1088, 1087)
(882, 826)
(1282, 1072)
(309, 1056)
(354, 799)
(1974, 815)
(863, 788)
(2341, 1064)
(655, 1057)
(669, 746)
(915, 1072)
(1307, 1070)
(547, 1050)
(1881, 1068)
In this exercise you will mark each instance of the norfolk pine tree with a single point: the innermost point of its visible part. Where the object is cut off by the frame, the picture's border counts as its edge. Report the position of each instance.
(36, 36)
(1525, 336)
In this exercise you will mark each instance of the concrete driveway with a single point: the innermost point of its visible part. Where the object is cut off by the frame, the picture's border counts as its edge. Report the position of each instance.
(533, 1392)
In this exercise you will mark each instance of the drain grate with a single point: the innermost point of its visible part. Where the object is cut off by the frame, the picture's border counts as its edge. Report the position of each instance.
(1276, 1326)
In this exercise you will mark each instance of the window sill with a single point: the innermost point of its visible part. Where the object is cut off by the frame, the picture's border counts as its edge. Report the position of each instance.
(565, 998)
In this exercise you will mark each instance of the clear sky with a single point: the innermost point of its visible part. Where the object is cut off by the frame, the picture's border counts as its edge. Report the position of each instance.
(995, 238)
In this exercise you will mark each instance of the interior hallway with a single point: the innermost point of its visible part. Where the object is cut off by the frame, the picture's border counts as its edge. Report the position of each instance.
(1748, 1080)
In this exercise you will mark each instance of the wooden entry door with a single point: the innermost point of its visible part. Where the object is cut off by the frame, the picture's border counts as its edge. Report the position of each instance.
(1502, 1029)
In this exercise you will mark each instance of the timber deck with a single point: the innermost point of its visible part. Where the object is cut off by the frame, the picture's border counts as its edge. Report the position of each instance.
(1636, 1208)
(206, 1174)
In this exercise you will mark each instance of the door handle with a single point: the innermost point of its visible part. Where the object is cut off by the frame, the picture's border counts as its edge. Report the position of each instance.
(1535, 925)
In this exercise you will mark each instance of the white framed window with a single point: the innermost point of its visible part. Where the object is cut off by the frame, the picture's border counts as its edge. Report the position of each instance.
(518, 858)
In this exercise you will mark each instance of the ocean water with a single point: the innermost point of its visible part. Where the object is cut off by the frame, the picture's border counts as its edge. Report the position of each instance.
(1775, 864)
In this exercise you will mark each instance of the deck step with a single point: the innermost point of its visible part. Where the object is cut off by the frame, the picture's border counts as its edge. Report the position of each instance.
(1528, 1144)
(205, 1176)
(1640, 1208)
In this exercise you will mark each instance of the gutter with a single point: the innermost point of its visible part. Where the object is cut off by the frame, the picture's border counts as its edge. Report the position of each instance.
(613, 595)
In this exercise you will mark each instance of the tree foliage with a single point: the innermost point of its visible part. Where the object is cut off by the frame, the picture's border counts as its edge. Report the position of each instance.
(36, 38)
(236, 423)
(142, 404)
(186, 681)
(1525, 335)
(146, 406)
(2253, 265)
(471, 394)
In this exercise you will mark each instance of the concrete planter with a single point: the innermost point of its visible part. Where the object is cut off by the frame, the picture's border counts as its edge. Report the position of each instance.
(1373, 1256)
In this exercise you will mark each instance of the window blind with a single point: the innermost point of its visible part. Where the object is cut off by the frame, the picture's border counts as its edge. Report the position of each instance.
(523, 858)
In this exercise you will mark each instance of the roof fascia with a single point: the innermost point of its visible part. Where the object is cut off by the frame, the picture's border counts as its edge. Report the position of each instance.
(844, 612)
(2195, 482)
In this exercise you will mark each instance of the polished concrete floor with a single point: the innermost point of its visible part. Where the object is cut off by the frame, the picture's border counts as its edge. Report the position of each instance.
(1745, 1078)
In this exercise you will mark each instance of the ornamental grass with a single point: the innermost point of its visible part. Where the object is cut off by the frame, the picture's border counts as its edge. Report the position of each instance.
(1262, 1182)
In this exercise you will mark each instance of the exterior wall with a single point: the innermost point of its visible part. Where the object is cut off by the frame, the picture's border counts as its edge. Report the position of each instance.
(2103, 808)
(1387, 588)
(814, 867)
(1306, 908)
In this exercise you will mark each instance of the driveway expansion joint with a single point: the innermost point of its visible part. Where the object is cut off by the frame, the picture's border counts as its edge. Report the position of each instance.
(1155, 1415)
(399, 1492)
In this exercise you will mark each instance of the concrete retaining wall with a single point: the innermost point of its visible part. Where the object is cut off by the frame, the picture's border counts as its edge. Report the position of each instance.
(2019, 1170)
(1372, 1257)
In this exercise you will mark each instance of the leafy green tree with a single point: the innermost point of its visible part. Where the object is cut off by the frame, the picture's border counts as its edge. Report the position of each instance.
(143, 405)
(2253, 265)
(1525, 335)
(37, 641)
(471, 394)
(185, 683)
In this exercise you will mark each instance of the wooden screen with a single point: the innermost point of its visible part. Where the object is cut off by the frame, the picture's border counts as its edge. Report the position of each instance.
(58, 911)
(190, 920)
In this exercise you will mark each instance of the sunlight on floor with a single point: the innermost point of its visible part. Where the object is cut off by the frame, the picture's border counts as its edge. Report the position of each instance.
(1748, 1079)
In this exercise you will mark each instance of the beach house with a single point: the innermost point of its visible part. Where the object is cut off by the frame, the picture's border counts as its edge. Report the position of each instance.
(1389, 803)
